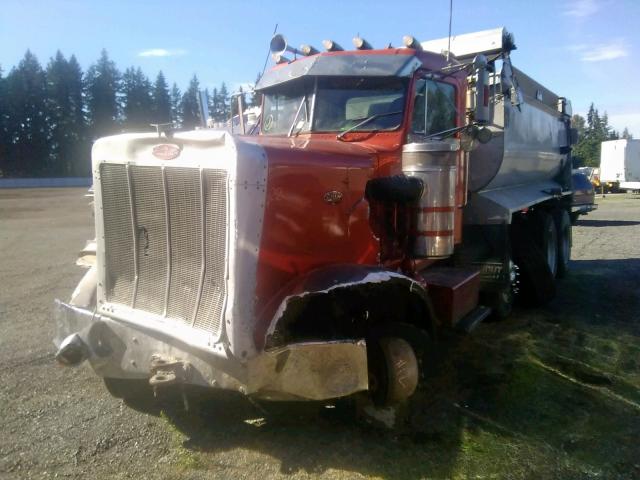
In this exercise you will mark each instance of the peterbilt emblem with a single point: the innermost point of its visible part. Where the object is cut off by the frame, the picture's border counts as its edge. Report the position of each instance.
(166, 151)
(333, 197)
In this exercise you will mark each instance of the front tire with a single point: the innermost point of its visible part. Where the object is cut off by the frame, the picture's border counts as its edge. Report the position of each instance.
(398, 358)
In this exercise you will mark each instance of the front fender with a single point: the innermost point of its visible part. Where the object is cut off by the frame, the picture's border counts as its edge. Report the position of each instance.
(349, 279)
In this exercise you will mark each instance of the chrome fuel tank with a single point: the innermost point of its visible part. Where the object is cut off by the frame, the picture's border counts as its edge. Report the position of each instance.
(434, 163)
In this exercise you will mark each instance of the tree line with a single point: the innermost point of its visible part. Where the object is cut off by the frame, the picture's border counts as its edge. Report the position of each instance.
(592, 131)
(49, 117)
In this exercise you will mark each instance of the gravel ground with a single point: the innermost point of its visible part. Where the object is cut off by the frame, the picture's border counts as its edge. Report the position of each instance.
(61, 423)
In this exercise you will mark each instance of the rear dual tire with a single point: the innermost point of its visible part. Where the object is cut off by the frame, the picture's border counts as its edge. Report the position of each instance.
(542, 250)
(565, 239)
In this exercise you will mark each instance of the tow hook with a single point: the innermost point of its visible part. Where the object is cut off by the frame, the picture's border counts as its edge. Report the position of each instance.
(72, 352)
(166, 372)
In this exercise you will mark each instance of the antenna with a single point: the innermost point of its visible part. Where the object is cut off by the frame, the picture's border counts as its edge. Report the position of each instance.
(450, 17)
(268, 53)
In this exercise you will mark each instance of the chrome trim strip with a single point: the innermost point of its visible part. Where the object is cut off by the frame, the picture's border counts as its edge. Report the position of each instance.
(203, 219)
(134, 231)
(168, 235)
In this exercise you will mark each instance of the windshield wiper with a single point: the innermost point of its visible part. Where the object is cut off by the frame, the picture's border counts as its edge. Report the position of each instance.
(366, 120)
(295, 119)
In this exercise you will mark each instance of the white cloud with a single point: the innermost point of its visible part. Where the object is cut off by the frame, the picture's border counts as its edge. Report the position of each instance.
(609, 51)
(581, 8)
(161, 52)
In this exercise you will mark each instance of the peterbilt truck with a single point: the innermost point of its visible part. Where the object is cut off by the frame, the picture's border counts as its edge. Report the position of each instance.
(387, 196)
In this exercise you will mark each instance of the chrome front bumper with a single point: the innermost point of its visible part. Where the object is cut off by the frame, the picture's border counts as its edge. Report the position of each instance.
(300, 371)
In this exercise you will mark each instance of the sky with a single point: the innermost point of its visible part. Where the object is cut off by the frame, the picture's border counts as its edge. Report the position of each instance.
(584, 50)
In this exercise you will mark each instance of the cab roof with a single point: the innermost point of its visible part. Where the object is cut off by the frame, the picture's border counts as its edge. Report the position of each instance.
(391, 62)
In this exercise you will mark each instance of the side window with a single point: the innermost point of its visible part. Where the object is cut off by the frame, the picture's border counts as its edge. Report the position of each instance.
(434, 107)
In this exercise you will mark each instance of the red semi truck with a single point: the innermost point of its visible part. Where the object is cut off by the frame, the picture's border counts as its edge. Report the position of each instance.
(385, 196)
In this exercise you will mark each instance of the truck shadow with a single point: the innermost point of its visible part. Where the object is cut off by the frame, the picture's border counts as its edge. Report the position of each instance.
(313, 438)
(552, 390)
(606, 223)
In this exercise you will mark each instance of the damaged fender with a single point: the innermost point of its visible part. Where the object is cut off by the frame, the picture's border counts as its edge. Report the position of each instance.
(369, 286)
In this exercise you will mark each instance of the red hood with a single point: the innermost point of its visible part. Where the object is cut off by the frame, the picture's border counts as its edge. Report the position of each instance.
(330, 152)
(315, 213)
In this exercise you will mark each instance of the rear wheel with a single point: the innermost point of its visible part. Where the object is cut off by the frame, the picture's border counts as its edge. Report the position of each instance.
(563, 226)
(548, 240)
(537, 282)
(501, 300)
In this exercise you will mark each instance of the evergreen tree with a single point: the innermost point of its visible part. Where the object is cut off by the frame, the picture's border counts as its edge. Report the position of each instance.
(223, 102)
(102, 86)
(81, 152)
(593, 120)
(189, 105)
(26, 115)
(597, 130)
(215, 106)
(176, 114)
(626, 135)
(68, 150)
(137, 104)
(161, 100)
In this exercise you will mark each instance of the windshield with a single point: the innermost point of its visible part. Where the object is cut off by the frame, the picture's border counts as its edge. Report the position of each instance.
(339, 104)
(283, 107)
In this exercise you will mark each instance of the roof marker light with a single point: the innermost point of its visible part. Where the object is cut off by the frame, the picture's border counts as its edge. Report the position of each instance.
(331, 46)
(361, 44)
(307, 50)
(279, 58)
(410, 41)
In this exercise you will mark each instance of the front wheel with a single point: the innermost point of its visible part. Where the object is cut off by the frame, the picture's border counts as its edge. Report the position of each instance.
(398, 358)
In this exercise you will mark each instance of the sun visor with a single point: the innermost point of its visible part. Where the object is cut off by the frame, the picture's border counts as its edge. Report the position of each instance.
(396, 64)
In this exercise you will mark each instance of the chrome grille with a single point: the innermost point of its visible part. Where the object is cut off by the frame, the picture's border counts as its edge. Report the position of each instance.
(170, 227)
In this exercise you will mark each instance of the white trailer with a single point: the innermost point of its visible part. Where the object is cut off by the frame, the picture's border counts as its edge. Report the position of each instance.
(620, 164)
